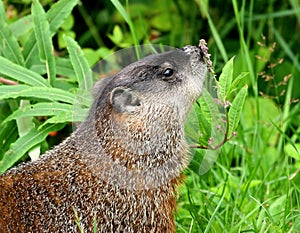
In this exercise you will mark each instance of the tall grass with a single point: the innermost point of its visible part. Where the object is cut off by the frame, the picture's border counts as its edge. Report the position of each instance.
(254, 186)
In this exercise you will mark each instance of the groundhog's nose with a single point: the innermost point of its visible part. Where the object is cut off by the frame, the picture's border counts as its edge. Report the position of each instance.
(193, 51)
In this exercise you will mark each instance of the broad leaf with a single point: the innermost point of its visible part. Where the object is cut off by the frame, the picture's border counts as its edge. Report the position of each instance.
(235, 110)
(225, 80)
(237, 83)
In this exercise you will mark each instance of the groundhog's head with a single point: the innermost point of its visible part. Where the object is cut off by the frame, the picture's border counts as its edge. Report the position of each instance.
(172, 79)
(139, 116)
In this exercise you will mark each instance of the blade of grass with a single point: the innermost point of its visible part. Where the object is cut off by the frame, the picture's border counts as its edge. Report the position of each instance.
(91, 25)
(127, 19)
(214, 214)
(286, 48)
(296, 7)
(277, 14)
(247, 57)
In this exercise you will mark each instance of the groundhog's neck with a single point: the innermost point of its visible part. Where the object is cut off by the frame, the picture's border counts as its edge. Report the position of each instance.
(147, 151)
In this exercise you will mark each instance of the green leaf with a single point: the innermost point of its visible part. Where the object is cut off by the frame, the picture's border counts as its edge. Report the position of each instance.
(127, 19)
(204, 128)
(251, 184)
(162, 22)
(41, 30)
(75, 116)
(2, 13)
(8, 134)
(197, 127)
(34, 93)
(91, 55)
(21, 74)
(59, 12)
(121, 10)
(236, 83)
(213, 113)
(205, 116)
(293, 151)
(64, 67)
(43, 38)
(80, 65)
(68, 23)
(21, 26)
(235, 110)
(268, 113)
(117, 35)
(56, 16)
(207, 121)
(225, 80)
(24, 144)
(9, 46)
(277, 209)
(31, 52)
(207, 104)
(60, 38)
(41, 109)
(24, 123)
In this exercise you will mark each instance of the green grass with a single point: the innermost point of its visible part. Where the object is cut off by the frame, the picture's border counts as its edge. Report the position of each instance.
(254, 185)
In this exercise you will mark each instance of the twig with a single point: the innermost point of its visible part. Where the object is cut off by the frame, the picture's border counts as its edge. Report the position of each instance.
(7, 81)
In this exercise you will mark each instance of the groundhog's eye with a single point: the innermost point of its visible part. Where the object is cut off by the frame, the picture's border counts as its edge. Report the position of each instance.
(168, 72)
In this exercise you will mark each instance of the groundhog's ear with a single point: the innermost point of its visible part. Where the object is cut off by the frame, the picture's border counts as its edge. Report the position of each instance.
(124, 100)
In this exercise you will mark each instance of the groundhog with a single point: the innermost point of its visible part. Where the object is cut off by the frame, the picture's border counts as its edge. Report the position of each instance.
(119, 170)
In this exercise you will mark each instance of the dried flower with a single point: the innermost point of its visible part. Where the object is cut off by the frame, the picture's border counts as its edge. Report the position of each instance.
(210, 141)
(206, 56)
(227, 104)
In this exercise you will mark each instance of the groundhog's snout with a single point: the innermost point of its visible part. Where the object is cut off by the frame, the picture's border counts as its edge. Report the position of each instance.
(194, 51)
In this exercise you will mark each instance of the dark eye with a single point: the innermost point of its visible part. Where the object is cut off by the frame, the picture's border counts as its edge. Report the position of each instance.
(168, 72)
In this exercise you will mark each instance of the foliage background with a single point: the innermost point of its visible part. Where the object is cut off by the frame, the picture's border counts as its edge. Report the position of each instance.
(254, 185)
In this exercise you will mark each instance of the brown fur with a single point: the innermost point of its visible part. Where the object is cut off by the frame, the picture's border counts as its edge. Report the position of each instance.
(120, 168)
